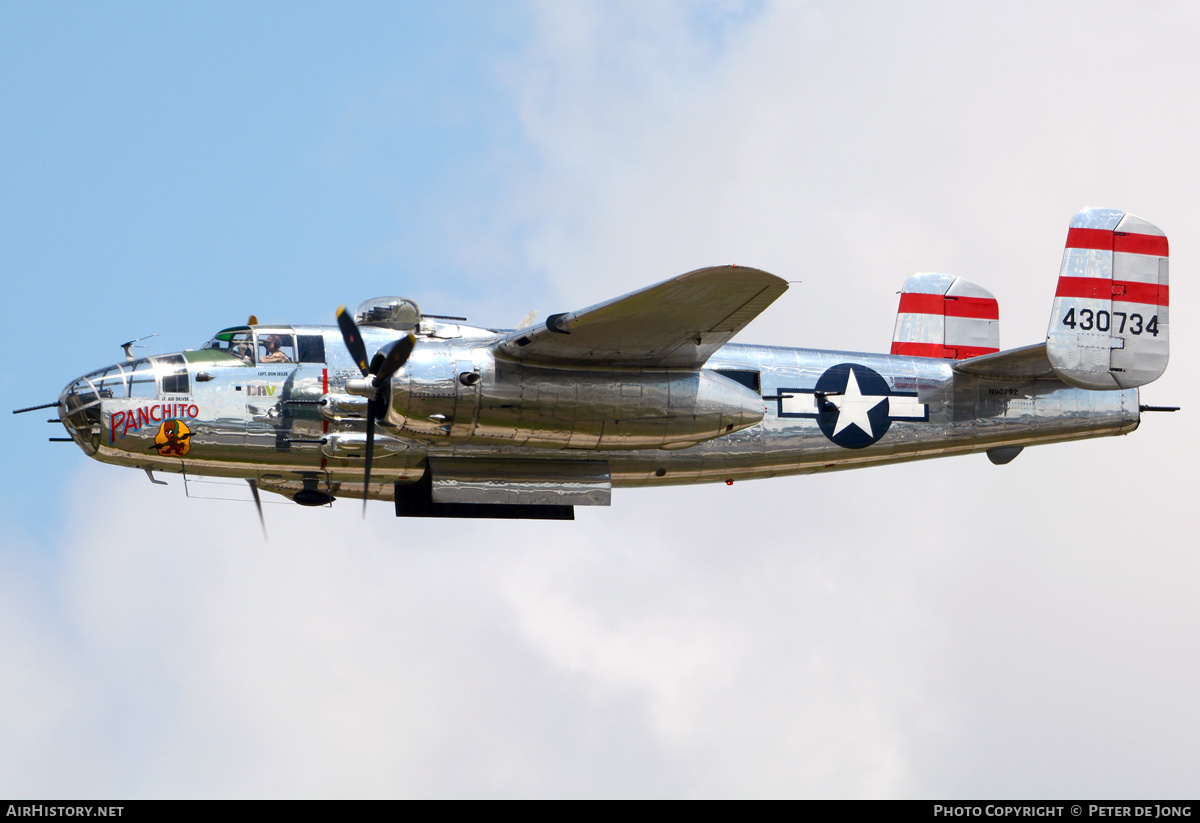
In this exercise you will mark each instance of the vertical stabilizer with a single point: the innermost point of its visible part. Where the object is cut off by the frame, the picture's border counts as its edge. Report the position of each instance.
(1109, 325)
(945, 316)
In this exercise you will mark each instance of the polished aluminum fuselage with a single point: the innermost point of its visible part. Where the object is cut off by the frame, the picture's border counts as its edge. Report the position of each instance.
(267, 421)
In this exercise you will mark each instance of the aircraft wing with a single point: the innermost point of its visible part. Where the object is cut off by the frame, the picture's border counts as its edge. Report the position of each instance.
(679, 322)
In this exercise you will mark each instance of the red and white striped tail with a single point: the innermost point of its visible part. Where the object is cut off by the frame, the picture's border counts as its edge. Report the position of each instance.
(1109, 326)
(945, 316)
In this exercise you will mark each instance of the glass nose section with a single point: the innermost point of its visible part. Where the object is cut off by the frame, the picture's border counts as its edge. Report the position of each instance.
(81, 403)
(79, 408)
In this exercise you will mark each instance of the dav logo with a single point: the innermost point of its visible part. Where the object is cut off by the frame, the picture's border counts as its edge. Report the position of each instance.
(261, 389)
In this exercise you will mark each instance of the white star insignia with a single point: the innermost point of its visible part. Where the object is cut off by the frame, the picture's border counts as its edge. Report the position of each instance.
(854, 407)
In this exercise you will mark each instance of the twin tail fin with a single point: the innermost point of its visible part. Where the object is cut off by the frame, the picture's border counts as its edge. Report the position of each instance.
(945, 316)
(1108, 329)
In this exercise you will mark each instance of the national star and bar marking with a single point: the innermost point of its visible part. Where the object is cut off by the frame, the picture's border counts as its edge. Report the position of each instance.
(864, 406)
(854, 408)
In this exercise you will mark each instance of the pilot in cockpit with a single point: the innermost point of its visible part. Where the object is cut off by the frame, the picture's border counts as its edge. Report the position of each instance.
(274, 354)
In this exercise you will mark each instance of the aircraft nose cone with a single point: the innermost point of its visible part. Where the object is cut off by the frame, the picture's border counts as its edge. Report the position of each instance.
(79, 410)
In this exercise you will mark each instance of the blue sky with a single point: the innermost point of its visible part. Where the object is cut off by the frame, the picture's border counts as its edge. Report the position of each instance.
(172, 171)
(203, 145)
(948, 628)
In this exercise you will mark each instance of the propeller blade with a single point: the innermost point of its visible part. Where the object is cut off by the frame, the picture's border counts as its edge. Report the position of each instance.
(370, 452)
(354, 341)
(257, 505)
(396, 357)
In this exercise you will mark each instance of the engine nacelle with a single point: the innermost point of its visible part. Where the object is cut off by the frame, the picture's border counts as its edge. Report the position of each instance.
(354, 445)
(342, 406)
(449, 392)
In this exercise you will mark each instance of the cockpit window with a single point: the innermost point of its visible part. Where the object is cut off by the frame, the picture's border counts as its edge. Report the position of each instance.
(237, 342)
(312, 348)
(274, 347)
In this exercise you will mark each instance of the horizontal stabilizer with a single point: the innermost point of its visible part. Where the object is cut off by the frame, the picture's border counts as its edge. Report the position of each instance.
(1025, 363)
(1109, 326)
(945, 316)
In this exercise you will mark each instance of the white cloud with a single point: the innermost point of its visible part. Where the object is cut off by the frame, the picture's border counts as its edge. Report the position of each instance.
(389, 657)
(850, 635)
(849, 145)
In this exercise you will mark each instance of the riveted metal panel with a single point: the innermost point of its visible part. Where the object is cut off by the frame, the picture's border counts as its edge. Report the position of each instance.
(975, 334)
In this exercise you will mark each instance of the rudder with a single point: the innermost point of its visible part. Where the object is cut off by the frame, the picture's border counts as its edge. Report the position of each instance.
(944, 316)
(1109, 326)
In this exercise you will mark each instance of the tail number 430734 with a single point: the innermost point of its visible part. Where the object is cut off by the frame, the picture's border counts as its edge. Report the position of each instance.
(1104, 321)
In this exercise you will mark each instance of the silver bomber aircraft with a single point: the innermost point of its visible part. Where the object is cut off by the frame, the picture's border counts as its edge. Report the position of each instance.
(450, 420)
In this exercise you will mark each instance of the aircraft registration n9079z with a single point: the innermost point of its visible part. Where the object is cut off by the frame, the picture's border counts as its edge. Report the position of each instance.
(450, 420)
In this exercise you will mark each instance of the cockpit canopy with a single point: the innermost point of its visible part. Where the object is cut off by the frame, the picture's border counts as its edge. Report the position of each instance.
(268, 345)
(237, 341)
(389, 313)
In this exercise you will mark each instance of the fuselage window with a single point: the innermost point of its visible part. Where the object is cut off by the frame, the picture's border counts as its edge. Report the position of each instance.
(174, 374)
(141, 380)
(311, 348)
(750, 379)
(110, 384)
(276, 348)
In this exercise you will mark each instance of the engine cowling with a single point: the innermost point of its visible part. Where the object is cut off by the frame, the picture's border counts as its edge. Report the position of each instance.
(449, 392)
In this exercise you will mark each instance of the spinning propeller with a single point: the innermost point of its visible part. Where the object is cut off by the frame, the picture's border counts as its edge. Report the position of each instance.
(387, 361)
